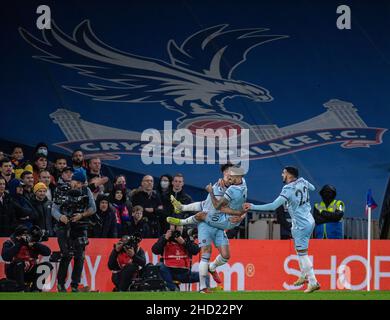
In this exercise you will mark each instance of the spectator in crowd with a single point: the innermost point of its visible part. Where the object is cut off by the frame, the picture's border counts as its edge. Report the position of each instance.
(42, 206)
(78, 161)
(147, 198)
(66, 176)
(118, 200)
(46, 178)
(137, 224)
(40, 163)
(20, 206)
(1, 155)
(125, 262)
(164, 191)
(284, 219)
(21, 256)
(6, 213)
(177, 189)
(19, 163)
(328, 215)
(41, 149)
(105, 226)
(176, 249)
(121, 181)
(6, 171)
(179, 193)
(59, 164)
(27, 179)
(98, 183)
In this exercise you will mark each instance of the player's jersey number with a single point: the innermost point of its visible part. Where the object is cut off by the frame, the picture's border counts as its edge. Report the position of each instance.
(303, 195)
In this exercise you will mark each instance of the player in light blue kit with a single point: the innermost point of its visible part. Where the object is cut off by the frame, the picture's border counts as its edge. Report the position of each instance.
(223, 209)
(296, 194)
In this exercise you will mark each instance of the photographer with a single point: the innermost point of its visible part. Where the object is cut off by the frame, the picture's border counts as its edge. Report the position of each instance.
(20, 254)
(72, 215)
(126, 259)
(176, 249)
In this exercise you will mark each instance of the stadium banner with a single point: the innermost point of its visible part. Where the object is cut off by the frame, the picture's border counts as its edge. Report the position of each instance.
(302, 90)
(257, 265)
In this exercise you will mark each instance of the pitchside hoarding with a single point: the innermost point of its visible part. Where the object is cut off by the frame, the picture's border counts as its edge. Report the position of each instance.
(258, 265)
(307, 82)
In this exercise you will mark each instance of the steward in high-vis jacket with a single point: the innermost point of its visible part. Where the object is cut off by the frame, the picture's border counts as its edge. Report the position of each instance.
(328, 215)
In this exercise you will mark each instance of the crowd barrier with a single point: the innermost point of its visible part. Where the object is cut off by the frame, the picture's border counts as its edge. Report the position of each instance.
(258, 264)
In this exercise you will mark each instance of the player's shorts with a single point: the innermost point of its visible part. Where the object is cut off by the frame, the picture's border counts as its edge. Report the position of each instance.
(302, 236)
(222, 222)
(208, 235)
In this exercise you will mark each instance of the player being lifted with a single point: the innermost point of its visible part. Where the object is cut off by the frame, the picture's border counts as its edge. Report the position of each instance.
(222, 210)
(296, 194)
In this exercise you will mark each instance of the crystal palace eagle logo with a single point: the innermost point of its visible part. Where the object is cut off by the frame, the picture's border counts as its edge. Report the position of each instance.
(195, 82)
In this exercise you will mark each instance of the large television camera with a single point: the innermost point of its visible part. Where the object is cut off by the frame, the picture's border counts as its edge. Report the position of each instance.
(60, 194)
(74, 202)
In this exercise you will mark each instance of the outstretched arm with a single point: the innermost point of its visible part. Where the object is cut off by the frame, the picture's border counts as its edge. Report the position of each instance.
(310, 186)
(217, 203)
(269, 206)
(232, 212)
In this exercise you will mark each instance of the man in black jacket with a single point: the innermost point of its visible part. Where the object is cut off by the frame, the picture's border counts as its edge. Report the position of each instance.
(176, 250)
(179, 194)
(137, 223)
(42, 206)
(105, 219)
(27, 179)
(148, 199)
(6, 171)
(6, 212)
(126, 259)
(20, 253)
(21, 207)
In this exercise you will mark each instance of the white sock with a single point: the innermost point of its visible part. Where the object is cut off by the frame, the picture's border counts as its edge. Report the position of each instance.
(308, 269)
(219, 261)
(195, 206)
(203, 270)
(189, 220)
(300, 261)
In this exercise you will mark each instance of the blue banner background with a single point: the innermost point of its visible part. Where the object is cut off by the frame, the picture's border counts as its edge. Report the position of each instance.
(316, 63)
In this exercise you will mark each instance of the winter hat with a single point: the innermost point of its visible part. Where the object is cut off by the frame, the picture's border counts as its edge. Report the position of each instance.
(79, 175)
(39, 186)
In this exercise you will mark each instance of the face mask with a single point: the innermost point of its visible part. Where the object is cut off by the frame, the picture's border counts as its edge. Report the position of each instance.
(164, 184)
(42, 151)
